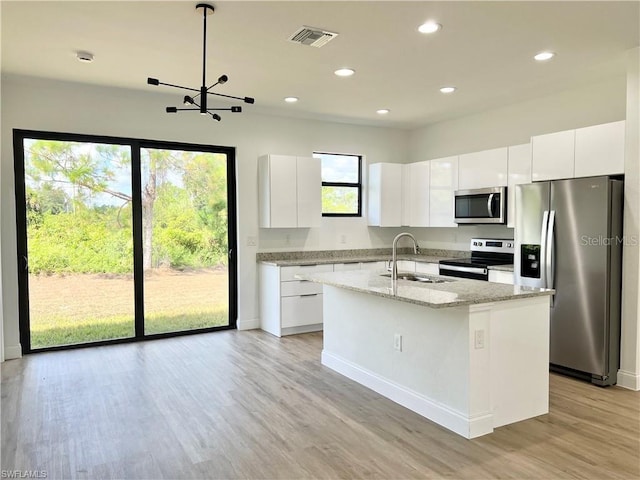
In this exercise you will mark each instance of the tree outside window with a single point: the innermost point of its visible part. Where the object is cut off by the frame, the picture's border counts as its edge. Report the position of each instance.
(341, 184)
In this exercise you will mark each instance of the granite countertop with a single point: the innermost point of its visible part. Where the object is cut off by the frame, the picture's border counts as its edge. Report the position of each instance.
(454, 292)
(284, 259)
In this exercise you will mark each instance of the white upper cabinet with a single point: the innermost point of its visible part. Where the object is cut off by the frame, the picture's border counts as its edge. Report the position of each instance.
(443, 182)
(584, 152)
(600, 150)
(415, 194)
(553, 155)
(290, 191)
(484, 169)
(385, 195)
(519, 169)
(309, 191)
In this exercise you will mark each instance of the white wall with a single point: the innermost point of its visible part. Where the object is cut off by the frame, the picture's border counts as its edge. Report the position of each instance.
(30, 103)
(515, 124)
(629, 375)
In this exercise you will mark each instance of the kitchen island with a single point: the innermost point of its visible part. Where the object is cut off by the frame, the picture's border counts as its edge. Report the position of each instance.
(467, 354)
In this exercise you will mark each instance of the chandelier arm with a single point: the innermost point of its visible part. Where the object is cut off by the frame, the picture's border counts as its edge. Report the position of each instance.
(244, 99)
(178, 86)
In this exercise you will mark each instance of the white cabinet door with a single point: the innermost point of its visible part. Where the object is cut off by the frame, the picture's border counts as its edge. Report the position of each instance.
(309, 191)
(278, 193)
(519, 168)
(498, 276)
(487, 168)
(600, 150)
(385, 195)
(429, 268)
(553, 156)
(415, 206)
(443, 182)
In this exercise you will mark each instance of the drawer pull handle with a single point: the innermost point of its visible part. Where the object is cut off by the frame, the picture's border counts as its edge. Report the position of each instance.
(309, 295)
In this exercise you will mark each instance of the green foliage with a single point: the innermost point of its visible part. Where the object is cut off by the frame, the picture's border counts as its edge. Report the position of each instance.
(87, 241)
(339, 200)
(79, 208)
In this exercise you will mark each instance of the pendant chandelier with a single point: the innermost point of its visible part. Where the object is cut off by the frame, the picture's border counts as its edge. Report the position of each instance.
(199, 101)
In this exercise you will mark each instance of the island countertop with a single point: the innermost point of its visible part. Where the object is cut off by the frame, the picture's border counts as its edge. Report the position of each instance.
(453, 292)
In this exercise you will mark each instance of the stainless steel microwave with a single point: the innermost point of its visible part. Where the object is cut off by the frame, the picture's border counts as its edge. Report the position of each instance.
(482, 205)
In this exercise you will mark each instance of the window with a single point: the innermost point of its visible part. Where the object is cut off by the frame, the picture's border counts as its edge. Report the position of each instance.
(341, 184)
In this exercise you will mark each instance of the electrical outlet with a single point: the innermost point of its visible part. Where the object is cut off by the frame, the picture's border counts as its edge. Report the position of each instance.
(252, 241)
(479, 339)
(397, 342)
(343, 238)
(287, 239)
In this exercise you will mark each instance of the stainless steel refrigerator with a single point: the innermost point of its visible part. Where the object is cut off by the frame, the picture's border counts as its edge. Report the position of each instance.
(569, 237)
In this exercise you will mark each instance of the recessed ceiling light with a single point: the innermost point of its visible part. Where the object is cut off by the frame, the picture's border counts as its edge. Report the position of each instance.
(291, 99)
(542, 56)
(383, 111)
(429, 27)
(84, 57)
(448, 89)
(344, 72)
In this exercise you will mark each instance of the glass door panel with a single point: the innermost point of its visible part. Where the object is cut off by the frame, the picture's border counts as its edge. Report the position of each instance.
(79, 244)
(185, 240)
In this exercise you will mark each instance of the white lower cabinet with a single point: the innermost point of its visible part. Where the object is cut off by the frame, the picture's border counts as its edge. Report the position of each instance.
(428, 268)
(301, 311)
(499, 276)
(289, 305)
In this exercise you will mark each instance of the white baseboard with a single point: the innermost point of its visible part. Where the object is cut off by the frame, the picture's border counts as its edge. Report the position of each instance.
(250, 324)
(628, 380)
(440, 414)
(12, 352)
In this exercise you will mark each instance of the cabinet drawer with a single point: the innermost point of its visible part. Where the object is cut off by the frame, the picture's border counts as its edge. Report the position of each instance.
(289, 273)
(299, 287)
(301, 310)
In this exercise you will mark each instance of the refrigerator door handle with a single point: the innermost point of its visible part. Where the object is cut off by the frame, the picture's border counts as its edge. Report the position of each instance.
(543, 248)
(550, 253)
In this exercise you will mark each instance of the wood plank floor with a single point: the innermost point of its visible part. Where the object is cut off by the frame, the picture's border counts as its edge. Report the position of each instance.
(248, 405)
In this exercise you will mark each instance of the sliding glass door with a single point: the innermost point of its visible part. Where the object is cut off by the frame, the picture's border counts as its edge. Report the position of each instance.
(184, 240)
(103, 262)
(79, 242)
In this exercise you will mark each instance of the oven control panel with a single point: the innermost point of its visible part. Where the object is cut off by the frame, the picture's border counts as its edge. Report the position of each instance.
(495, 245)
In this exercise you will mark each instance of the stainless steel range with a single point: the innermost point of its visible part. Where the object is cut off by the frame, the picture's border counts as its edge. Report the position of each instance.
(485, 252)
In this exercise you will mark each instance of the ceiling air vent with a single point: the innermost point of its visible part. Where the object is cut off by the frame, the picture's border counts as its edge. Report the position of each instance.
(312, 36)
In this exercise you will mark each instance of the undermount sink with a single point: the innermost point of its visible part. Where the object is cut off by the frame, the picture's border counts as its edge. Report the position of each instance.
(416, 277)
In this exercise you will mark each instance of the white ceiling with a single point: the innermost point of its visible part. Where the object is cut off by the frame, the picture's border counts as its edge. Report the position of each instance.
(484, 48)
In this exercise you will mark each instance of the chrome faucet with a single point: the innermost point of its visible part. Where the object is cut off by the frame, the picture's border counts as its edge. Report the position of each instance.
(394, 255)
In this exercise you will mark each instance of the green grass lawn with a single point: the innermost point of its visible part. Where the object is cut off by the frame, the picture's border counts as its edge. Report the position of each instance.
(54, 331)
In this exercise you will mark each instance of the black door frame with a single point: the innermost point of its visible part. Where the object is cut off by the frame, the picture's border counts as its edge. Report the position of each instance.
(138, 272)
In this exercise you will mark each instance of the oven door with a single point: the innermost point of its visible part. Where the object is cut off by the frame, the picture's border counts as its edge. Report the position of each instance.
(486, 205)
(476, 273)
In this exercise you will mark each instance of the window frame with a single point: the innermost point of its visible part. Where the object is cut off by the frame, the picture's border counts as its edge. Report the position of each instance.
(357, 185)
